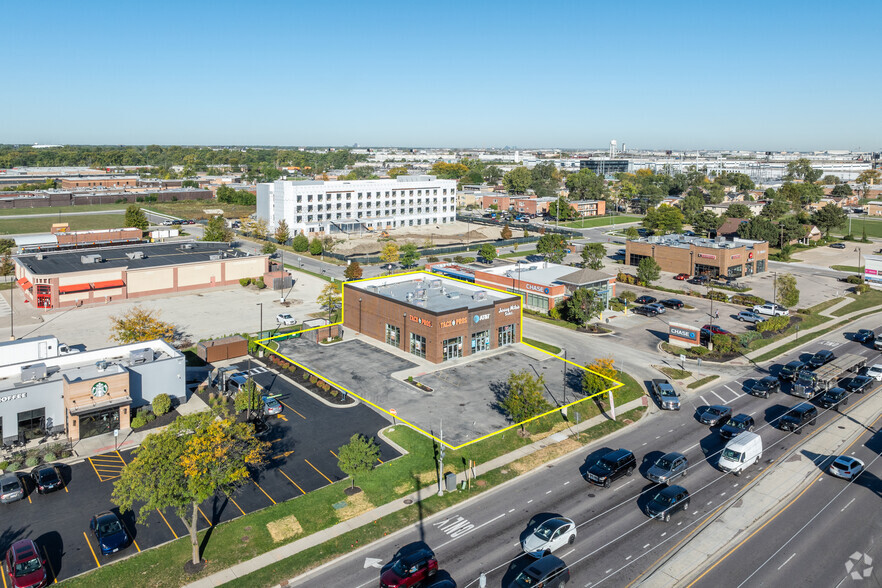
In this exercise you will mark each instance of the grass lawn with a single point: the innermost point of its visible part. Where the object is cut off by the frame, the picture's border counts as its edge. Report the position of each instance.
(544, 346)
(674, 373)
(194, 209)
(702, 382)
(518, 254)
(61, 210)
(870, 299)
(874, 227)
(85, 222)
(248, 536)
(548, 319)
(848, 268)
(631, 390)
(601, 221)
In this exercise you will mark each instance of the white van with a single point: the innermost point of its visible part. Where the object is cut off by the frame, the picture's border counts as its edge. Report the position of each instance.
(744, 450)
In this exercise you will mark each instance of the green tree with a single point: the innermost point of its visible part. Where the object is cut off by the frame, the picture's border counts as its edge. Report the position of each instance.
(300, 243)
(545, 179)
(842, 191)
(316, 247)
(553, 246)
(259, 229)
(585, 185)
(358, 457)
(7, 267)
(802, 169)
(829, 217)
(830, 180)
(189, 184)
(329, 297)
(195, 458)
(353, 271)
(409, 255)
(518, 180)
(136, 218)
(449, 171)
(560, 209)
(248, 397)
(139, 324)
(487, 252)
(664, 219)
(6, 245)
(705, 221)
(738, 210)
(692, 203)
(786, 290)
(582, 306)
(492, 174)
(390, 253)
(282, 232)
(524, 398)
(216, 230)
(397, 171)
(759, 229)
(592, 256)
(715, 194)
(775, 209)
(632, 233)
(648, 270)
(506, 233)
(269, 248)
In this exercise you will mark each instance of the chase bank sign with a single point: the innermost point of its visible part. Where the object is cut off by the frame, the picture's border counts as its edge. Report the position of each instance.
(536, 288)
(683, 335)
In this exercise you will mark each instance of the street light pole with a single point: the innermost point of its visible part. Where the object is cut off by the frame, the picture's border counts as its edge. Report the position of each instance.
(858, 249)
(775, 287)
(260, 304)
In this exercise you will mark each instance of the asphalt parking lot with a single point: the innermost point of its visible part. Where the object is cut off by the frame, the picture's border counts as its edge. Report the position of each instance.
(464, 393)
(301, 460)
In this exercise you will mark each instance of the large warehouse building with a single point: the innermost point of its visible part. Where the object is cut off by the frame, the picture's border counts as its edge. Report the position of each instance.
(698, 256)
(432, 317)
(344, 207)
(82, 394)
(72, 278)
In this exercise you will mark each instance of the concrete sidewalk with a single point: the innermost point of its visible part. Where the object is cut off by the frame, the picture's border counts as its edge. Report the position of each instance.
(759, 501)
(271, 557)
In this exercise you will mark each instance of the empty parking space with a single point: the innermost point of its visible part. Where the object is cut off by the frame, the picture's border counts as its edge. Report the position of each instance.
(107, 466)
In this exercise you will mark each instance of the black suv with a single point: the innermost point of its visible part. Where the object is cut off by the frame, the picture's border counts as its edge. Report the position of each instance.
(646, 299)
(548, 570)
(645, 310)
(822, 357)
(797, 417)
(667, 501)
(791, 370)
(612, 466)
(737, 425)
(834, 398)
(857, 383)
(766, 386)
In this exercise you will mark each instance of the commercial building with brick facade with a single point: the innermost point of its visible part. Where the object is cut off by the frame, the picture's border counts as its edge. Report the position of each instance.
(71, 278)
(432, 317)
(732, 258)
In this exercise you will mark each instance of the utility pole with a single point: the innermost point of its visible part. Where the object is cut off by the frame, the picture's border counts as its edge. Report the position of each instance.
(775, 287)
(565, 377)
(441, 462)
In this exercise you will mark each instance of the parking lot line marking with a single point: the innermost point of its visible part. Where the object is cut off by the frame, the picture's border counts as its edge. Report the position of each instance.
(3, 574)
(86, 537)
(132, 535)
(94, 468)
(264, 492)
(207, 520)
(292, 481)
(292, 410)
(380, 460)
(29, 499)
(718, 396)
(334, 454)
(283, 417)
(703, 399)
(321, 474)
(166, 522)
(237, 506)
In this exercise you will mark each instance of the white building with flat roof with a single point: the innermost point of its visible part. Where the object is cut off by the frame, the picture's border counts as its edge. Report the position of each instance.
(353, 206)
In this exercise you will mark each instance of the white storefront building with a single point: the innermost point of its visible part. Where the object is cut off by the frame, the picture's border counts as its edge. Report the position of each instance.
(354, 206)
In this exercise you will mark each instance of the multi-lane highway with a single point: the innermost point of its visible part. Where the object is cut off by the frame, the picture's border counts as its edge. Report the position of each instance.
(616, 541)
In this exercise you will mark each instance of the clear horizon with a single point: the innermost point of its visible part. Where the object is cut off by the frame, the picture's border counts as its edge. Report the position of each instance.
(753, 76)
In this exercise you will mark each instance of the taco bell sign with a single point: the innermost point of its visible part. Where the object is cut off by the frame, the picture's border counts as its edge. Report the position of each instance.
(683, 335)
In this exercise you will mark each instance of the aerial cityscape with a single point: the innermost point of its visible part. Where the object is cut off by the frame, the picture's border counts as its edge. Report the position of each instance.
(398, 295)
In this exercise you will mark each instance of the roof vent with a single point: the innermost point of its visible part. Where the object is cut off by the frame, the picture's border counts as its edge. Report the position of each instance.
(136, 255)
(408, 296)
(480, 295)
(101, 365)
(40, 256)
(187, 246)
(93, 258)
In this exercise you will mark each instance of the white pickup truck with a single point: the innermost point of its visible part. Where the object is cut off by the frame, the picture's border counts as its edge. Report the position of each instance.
(770, 309)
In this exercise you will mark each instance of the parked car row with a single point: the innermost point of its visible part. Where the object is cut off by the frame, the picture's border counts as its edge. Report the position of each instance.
(651, 306)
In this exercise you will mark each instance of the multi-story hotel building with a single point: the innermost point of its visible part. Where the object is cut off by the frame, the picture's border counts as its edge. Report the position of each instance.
(352, 206)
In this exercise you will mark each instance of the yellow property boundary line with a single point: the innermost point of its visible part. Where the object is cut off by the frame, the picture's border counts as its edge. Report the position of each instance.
(616, 383)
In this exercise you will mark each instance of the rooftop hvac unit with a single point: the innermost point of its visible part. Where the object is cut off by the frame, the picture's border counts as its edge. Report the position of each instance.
(139, 356)
(434, 284)
(214, 257)
(32, 373)
(40, 256)
(136, 255)
(408, 296)
(93, 258)
(187, 246)
(420, 293)
(101, 365)
(481, 295)
(372, 289)
(453, 294)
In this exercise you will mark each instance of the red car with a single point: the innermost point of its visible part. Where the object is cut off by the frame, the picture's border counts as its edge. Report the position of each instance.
(715, 329)
(411, 566)
(681, 277)
(24, 565)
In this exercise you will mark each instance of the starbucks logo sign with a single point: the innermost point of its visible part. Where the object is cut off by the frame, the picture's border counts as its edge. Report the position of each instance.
(99, 389)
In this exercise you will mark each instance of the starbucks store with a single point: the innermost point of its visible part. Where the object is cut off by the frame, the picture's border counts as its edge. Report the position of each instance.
(84, 394)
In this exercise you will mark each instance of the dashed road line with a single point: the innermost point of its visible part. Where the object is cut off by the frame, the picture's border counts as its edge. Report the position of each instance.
(786, 562)
(847, 505)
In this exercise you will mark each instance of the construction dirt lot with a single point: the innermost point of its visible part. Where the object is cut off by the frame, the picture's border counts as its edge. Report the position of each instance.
(430, 235)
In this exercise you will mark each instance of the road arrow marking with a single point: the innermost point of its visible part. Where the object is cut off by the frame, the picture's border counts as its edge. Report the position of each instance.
(372, 562)
(283, 454)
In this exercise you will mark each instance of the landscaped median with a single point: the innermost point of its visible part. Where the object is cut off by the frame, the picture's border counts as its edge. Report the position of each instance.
(259, 532)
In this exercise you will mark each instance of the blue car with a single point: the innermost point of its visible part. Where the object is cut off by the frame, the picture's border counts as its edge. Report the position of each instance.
(109, 531)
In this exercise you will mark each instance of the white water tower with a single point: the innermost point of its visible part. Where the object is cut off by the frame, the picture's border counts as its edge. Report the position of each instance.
(612, 148)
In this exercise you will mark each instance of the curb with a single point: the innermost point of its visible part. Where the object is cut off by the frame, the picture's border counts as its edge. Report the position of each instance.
(353, 402)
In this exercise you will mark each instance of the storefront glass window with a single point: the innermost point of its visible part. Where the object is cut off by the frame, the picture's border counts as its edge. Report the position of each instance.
(735, 271)
(707, 270)
(418, 345)
(506, 335)
(393, 335)
(98, 423)
(31, 424)
(480, 341)
(451, 348)
(760, 265)
(748, 269)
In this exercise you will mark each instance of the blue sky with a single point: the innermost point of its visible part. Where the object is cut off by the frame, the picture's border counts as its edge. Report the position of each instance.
(682, 75)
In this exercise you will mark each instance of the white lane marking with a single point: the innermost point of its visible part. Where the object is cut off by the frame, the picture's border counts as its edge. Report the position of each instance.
(629, 557)
(567, 553)
(670, 430)
(752, 413)
(723, 400)
(567, 482)
(785, 563)
(665, 533)
(511, 511)
(704, 400)
(647, 545)
(726, 386)
(608, 571)
(659, 437)
(847, 505)
(693, 447)
(454, 538)
(549, 492)
(529, 501)
(644, 444)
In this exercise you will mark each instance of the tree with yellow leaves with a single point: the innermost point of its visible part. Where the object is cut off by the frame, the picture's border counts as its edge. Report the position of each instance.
(602, 370)
(196, 457)
(140, 324)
